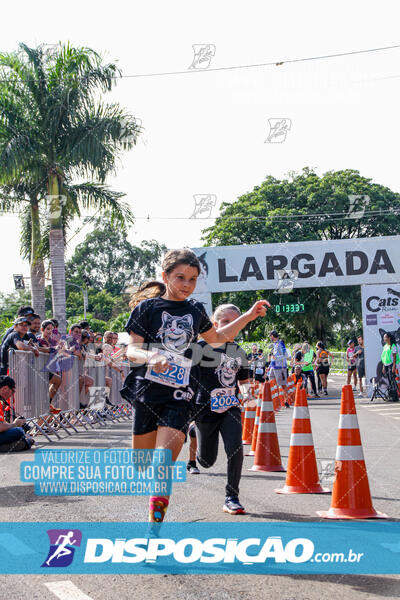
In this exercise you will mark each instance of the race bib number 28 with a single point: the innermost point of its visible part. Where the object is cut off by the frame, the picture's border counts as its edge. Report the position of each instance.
(178, 373)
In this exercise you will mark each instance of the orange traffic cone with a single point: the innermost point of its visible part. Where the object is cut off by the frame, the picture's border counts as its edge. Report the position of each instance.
(274, 394)
(248, 426)
(351, 496)
(256, 423)
(302, 473)
(291, 389)
(267, 456)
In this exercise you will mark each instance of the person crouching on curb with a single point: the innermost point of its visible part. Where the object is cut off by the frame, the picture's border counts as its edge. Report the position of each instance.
(13, 437)
(222, 370)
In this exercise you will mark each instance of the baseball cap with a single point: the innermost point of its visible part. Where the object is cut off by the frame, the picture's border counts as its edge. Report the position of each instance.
(21, 320)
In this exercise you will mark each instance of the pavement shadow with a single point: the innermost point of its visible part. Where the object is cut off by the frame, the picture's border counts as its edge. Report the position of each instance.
(282, 516)
(12, 495)
(244, 475)
(378, 585)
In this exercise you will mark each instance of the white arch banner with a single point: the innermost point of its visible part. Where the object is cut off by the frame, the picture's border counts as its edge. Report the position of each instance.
(305, 264)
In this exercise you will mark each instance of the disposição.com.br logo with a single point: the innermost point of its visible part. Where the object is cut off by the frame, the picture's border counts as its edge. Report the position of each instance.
(62, 547)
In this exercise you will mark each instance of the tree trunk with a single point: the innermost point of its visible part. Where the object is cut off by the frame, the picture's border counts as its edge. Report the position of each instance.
(56, 239)
(37, 266)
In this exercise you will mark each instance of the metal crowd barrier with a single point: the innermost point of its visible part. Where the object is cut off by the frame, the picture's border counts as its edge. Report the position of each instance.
(32, 383)
(31, 398)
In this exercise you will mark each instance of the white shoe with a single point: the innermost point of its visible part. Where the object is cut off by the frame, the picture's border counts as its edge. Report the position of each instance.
(354, 389)
(361, 395)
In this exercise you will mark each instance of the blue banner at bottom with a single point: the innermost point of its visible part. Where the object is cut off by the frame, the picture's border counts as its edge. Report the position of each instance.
(206, 548)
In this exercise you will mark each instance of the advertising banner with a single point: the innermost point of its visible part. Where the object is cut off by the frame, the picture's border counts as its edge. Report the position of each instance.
(380, 314)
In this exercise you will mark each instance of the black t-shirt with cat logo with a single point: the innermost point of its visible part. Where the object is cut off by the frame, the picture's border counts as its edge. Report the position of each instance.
(220, 369)
(167, 326)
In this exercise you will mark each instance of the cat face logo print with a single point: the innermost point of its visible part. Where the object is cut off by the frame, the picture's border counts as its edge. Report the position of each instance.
(176, 333)
(227, 370)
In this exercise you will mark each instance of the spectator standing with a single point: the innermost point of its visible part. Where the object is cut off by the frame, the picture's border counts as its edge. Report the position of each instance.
(309, 357)
(16, 340)
(360, 362)
(323, 365)
(390, 360)
(278, 367)
(23, 311)
(351, 364)
(34, 327)
(44, 343)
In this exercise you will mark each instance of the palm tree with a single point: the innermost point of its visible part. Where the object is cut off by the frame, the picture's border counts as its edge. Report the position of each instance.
(24, 197)
(55, 132)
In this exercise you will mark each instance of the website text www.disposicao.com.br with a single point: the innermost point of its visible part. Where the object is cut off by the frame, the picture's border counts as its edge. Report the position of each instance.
(213, 550)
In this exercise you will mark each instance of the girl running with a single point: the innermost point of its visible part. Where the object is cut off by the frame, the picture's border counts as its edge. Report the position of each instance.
(218, 408)
(163, 327)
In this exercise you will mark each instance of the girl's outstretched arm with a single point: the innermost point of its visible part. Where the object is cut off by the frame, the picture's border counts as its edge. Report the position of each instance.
(231, 330)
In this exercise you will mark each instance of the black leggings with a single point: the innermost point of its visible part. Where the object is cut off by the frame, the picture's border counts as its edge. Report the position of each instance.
(310, 376)
(230, 426)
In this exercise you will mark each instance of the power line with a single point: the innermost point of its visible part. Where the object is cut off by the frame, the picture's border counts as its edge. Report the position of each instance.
(276, 63)
(280, 218)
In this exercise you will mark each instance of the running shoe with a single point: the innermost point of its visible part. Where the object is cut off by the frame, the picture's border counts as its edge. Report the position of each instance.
(233, 506)
(326, 392)
(193, 470)
(287, 404)
(354, 389)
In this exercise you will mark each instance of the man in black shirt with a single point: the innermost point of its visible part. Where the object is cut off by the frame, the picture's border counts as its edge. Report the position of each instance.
(34, 327)
(24, 311)
(17, 340)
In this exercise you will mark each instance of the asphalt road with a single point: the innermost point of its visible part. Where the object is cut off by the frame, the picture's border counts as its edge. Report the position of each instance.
(201, 499)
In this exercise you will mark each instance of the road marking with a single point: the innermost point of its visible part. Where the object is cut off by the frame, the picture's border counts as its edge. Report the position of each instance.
(389, 413)
(66, 590)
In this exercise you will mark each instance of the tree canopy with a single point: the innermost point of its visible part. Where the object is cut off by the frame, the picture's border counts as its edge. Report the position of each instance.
(107, 261)
(305, 206)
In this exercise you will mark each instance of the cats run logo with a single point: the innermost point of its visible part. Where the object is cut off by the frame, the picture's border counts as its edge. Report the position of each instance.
(62, 547)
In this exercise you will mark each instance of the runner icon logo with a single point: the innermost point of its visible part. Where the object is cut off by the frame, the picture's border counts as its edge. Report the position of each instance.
(62, 547)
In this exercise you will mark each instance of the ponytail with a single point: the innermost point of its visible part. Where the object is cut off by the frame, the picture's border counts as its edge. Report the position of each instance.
(148, 289)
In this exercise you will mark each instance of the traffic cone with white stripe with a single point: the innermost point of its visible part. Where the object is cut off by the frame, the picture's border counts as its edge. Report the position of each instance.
(291, 389)
(302, 472)
(274, 394)
(268, 455)
(351, 496)
(252, 451)
(248, 424)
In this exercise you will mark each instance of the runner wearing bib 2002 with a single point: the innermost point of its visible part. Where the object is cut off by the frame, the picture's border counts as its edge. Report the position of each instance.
(218, 408)
(163, 325)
